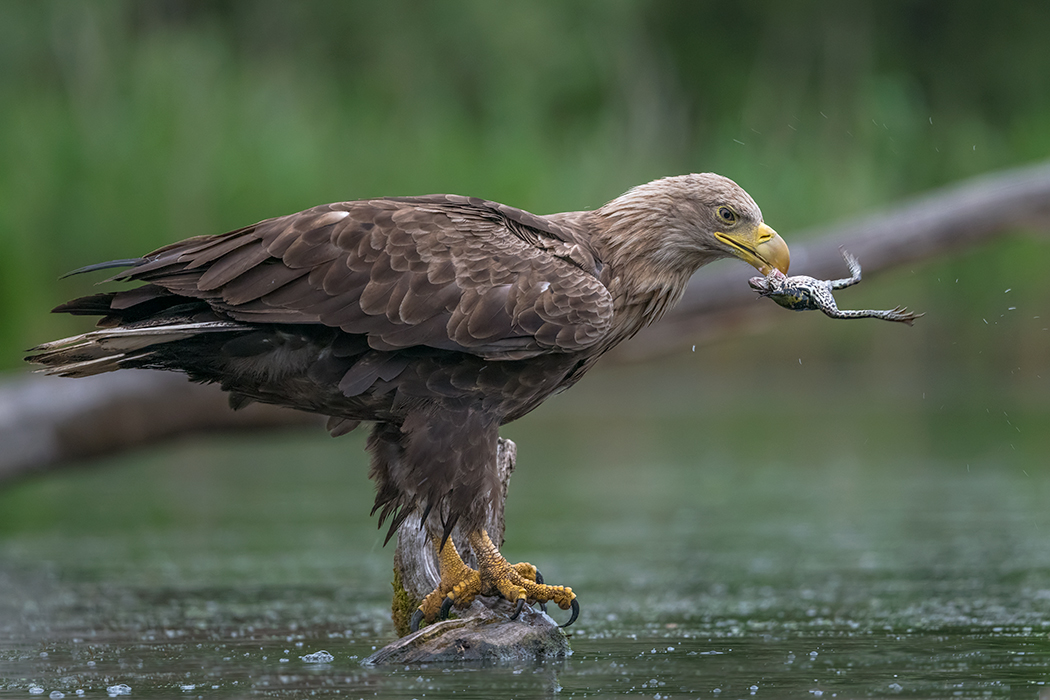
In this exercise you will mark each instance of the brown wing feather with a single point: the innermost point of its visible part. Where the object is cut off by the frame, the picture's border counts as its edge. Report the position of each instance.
(442, 271)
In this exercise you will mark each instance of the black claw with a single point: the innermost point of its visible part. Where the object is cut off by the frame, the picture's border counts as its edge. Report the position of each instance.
(517, 608)
(417, 617)
(445, 608)
(539, 580)
(575, 612)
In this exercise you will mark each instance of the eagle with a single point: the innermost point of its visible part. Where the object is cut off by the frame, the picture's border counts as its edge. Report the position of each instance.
(435, 318)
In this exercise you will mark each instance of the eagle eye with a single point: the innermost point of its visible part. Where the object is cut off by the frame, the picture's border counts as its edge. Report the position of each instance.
(726, 215)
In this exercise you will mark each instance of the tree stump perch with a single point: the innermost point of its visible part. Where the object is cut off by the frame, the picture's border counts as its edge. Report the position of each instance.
(482, 632)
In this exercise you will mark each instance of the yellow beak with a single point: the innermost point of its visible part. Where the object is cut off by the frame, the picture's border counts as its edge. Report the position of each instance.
(761, 247)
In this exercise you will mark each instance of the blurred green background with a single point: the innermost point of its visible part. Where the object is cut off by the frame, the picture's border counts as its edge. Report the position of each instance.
(127, 125)
(867, 462)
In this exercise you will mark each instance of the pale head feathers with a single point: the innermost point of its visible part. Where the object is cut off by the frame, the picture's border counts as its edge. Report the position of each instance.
(656, 235)
(672, 220)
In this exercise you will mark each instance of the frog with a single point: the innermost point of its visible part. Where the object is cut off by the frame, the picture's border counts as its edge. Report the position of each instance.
(805, 293)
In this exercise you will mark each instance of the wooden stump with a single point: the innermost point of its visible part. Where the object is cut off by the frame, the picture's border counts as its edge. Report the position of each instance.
(483, 631)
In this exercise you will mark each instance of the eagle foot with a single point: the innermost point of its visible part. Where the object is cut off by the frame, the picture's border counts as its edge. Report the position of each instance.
(460, 584)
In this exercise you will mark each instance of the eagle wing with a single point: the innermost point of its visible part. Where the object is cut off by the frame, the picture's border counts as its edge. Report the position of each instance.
(443, 271)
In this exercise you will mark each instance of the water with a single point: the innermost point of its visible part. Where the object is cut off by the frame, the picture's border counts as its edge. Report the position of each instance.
(847, 538)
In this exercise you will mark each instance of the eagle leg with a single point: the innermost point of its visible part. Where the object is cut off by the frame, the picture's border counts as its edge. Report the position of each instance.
(459, 585)
(454, 575)
(518, 583)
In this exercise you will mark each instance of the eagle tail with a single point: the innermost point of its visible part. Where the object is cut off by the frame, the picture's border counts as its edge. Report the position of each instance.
(108, 265)
(123, 347)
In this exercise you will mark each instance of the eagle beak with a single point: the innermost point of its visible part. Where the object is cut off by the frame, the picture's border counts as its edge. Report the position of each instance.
(761, 247)
(772, 252)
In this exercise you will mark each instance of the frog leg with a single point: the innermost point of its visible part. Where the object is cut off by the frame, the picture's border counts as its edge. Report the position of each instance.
(899, 314)
(854, 270)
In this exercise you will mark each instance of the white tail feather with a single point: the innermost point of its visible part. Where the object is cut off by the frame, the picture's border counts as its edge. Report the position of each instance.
(111, 348)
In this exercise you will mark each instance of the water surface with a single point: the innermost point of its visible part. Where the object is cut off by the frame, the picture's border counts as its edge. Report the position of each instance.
(831, 536)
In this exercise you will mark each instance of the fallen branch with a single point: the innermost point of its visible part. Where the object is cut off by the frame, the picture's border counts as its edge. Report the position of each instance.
(46, 420)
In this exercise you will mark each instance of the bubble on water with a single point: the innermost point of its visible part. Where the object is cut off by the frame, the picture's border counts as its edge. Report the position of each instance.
(118, 689)
(36, 690)
(318, 657)
(187, 687)
(55, 694)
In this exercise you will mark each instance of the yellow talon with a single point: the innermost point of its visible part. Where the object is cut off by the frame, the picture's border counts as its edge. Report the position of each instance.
(460, 584)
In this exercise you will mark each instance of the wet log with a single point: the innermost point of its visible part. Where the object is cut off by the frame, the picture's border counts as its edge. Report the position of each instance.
(482, 632)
